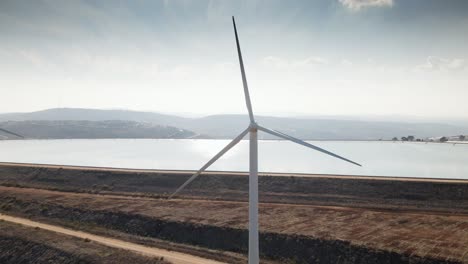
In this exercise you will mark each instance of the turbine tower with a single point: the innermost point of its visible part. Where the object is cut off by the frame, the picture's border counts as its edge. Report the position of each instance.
(252, 129)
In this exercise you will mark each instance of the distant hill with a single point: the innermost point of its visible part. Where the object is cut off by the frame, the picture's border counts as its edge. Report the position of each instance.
(91, 115)
(228, 126)
(68, 129)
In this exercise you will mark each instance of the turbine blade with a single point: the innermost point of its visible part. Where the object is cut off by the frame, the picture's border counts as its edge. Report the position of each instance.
(244, 78)
(211, 161)
(12, 133)
(300, 142)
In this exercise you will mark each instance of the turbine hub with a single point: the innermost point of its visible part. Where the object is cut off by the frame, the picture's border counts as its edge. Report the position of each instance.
(253, 126)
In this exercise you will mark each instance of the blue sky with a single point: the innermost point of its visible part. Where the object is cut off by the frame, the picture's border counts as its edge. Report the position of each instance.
(324, 57)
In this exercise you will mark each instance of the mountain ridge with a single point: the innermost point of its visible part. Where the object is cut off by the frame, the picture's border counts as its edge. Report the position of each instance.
(84, 129)
(229, 125)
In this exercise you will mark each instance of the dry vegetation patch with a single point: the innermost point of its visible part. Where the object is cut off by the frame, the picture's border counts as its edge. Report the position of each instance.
(20, 244)
(425, 235)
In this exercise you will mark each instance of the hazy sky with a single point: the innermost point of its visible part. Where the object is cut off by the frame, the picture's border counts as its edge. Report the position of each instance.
(324, 57)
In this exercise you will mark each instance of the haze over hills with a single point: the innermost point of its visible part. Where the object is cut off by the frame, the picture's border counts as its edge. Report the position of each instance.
(68, 129)
(155, 125)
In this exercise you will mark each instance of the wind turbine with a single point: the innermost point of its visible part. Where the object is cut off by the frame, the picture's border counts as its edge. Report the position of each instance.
(252, 129)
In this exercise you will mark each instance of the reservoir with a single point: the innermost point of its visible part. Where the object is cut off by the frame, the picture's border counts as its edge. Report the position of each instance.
(399, 159)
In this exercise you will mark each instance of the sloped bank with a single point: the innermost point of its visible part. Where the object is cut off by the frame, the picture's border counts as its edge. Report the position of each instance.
(367, 192)
(286, 248)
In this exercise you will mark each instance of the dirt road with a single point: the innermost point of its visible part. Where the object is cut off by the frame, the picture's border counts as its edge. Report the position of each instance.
(171, 256)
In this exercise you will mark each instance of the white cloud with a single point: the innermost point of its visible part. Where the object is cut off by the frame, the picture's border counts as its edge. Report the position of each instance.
(32, 57)
(277, 62)
(311, 61)
(434, 63)
(346, 63)
(356, 5)
(457, 64)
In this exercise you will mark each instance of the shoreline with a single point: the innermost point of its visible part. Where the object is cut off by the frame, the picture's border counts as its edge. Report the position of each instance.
(260, 139)
(237, 173)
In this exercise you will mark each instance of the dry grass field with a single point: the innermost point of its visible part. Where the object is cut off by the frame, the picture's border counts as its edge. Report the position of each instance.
(424, 229)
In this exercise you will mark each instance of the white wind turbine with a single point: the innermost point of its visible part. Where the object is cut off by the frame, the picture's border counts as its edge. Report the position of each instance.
(253, 175)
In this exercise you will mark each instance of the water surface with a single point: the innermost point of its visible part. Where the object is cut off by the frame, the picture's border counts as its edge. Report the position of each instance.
(431, 160)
